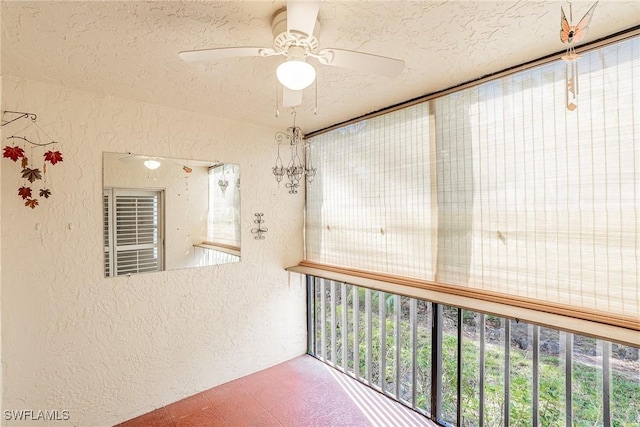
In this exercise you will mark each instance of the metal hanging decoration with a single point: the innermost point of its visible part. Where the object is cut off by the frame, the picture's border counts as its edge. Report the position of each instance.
(259, 232)
(223, 182)
(295, 169)
(570, 35)
(278, 169)
(30, 172)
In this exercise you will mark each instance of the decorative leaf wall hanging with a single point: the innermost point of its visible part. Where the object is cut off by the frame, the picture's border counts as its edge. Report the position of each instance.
(25, 192)
(13, 153)
(32, 203)
(53, 157)
(30, 174)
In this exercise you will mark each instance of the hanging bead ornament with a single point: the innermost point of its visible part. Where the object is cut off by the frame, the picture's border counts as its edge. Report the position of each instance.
(571, 34)
(45, 191)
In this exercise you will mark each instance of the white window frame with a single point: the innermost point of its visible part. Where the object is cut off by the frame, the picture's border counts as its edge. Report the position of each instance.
(111, 249)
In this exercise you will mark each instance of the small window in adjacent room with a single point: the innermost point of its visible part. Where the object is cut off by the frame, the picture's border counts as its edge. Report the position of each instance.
(132, 231)
(224, 213)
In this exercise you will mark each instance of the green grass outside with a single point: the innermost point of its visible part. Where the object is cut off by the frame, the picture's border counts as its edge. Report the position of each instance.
(586, 379)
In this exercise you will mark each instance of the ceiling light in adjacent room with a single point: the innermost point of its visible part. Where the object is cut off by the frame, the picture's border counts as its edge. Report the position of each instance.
(151, 164)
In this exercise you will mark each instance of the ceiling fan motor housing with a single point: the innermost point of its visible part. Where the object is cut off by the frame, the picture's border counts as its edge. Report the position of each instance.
(283, 39)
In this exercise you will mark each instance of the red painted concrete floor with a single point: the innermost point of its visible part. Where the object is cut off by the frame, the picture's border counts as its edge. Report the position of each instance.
(298, 393)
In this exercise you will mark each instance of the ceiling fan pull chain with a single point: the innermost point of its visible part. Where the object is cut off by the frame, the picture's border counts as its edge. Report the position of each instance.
(315, 110)
(277, 104)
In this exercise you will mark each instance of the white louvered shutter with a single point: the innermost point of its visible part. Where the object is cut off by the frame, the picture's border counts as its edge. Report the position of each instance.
(137, 236)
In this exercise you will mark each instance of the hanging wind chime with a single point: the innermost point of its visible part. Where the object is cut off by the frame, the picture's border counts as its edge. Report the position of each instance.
(570, 35)
(31, 173)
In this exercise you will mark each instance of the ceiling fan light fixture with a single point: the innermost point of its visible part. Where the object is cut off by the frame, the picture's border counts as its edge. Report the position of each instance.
(295, 73)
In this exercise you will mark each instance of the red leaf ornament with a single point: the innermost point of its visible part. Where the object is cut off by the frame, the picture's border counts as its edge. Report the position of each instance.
(32, 203)
(45, 192)
(25, 192)
(53, 157)
(13, 153)
(31, 174)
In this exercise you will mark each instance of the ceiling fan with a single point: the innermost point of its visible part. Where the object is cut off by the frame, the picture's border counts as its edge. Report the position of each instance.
(295, 35)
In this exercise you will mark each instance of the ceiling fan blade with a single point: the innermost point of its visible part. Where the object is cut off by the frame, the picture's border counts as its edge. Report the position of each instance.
(360, 61)
(223, 52)
(302, 16)
(291, 98)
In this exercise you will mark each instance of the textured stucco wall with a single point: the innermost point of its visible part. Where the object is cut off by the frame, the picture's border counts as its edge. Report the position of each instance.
(110, 349)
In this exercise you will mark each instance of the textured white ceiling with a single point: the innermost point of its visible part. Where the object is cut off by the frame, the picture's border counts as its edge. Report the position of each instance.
(130, 49)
